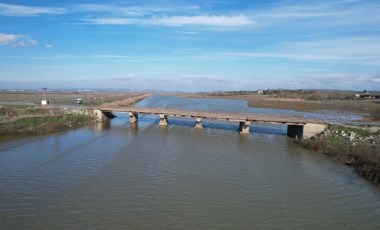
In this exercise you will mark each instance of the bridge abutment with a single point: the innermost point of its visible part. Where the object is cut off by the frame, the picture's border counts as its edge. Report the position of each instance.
(312, 129)
(295, 131)
(244, 127)
(305, 131)
(103, 115)
(163, 120)
(99, 115)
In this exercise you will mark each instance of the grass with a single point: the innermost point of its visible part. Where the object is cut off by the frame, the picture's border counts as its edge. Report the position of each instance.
(363, 155)
(358, 131)
(36, 121)
(27, 121)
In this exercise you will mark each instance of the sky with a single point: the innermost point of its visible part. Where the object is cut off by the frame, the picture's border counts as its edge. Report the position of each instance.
(198, 45)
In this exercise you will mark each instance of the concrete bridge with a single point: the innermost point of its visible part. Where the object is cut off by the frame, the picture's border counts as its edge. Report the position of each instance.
(298, 127)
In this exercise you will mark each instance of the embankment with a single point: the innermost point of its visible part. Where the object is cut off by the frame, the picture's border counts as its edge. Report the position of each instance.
(125, 102)
(358, 147)
(25, 121)
(42, 121)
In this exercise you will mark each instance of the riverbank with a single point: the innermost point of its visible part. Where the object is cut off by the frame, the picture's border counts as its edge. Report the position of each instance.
(125, 102)
(355, 146)
(18, 121)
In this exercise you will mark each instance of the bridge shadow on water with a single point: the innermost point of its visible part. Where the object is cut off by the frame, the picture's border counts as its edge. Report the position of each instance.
(222, 125)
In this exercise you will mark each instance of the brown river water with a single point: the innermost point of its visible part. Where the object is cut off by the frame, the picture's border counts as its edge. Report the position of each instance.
(114, 175)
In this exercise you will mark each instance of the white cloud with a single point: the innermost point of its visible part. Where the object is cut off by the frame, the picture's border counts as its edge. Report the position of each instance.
(311, 15)
(187, 32)
(205, 20)
(142, 9)
(25, 11)
(6, 39)
(355, 50)
(200, 20)
(15, 40)
(129, 77)
(48, 46)
(113, 9)
(200, 82)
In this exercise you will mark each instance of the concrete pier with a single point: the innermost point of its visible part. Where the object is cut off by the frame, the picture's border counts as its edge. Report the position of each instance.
(163, 120)
(244, 127)
(133, 117)
(198, 123)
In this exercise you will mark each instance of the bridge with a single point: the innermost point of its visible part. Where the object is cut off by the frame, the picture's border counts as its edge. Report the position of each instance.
(297, 126)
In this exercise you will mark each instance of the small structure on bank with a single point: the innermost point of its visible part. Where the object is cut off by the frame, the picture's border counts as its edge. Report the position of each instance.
(367, 95)
(45, 102)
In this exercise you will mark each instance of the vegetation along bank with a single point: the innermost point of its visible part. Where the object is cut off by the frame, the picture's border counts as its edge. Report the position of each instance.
(356, 146)
(19, 121)
(30, 120)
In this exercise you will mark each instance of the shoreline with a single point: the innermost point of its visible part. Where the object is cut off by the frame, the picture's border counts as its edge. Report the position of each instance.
(22, 122)
(356, 147)
(42, 123)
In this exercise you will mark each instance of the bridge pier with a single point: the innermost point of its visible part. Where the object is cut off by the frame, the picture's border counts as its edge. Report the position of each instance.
(133, 117)
(244, 127)
(198, 123)
(163, 120)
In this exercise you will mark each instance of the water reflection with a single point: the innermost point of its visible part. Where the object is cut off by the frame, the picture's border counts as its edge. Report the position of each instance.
(102, 125)
(164, 129)
(133, 127)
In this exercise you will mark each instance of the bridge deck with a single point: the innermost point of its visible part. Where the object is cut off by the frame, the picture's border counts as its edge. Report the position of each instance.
(224, 116)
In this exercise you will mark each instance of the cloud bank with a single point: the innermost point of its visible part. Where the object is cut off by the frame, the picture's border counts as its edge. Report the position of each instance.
(27, 11)
(200, 20)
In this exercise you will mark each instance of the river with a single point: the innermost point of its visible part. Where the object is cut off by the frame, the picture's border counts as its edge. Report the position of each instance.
(114, 175)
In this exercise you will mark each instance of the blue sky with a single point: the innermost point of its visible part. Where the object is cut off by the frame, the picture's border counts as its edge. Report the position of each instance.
(201, 45)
